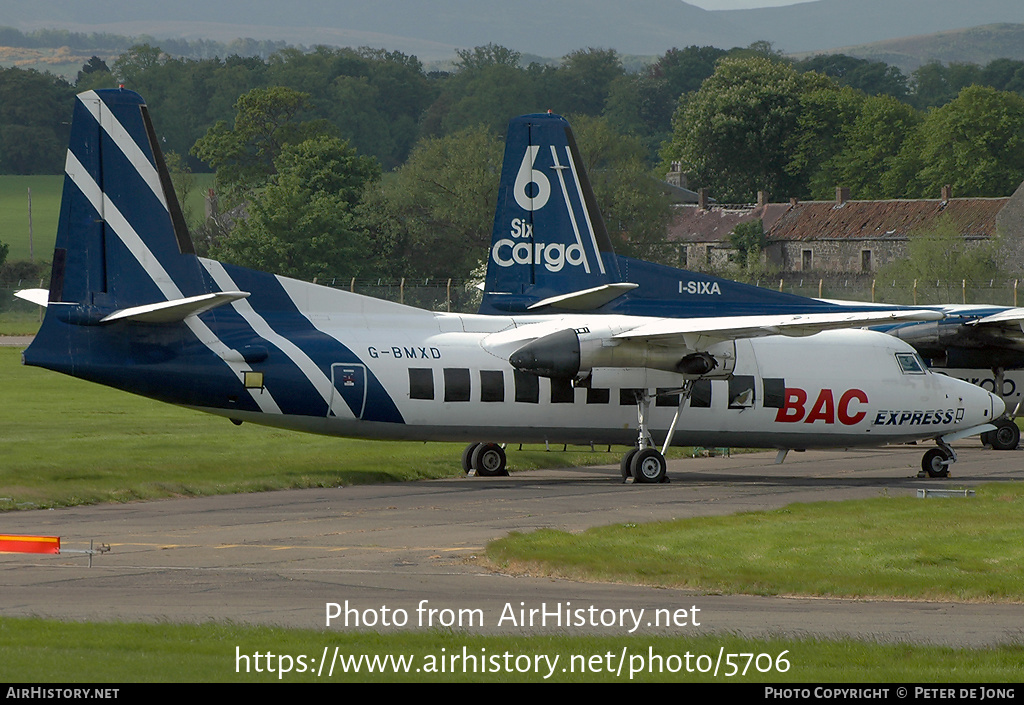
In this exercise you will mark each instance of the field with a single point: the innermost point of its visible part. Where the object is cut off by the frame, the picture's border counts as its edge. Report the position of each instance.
(878, 548)
(14, 215)
(39, 651)
(46, 192)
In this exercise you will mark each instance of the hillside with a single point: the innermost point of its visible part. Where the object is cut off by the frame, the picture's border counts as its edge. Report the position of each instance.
(430, 29)
(976, 45)
(433, 29)
(825, 24)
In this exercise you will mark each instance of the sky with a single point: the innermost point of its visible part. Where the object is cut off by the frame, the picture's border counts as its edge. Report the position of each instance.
(740, 4)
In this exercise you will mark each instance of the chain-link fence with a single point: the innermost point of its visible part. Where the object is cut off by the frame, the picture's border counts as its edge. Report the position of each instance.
(454, 295)
(998, 292)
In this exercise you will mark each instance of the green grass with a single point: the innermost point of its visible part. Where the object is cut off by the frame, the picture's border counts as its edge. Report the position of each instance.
(14, 221)
(907, 548)
(21, 319)
(46, 193)
(64, 441)
(37, 651)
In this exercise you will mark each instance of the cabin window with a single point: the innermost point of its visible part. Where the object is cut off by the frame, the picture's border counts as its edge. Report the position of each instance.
(562, 391)
(629, 396)
(667, 398)
(741, 391)
(774, 393)
(598, 396)
(492, 385)
(456, 384)
(910, 363)
(527, 387)
(421, 383)
(700, 395)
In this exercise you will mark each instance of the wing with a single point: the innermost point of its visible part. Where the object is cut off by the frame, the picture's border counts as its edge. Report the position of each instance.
(1010, 318)
(571, 346)
(686, 331)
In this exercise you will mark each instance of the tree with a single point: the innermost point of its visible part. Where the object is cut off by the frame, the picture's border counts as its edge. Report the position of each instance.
(872, 142)
(266, 121)
(748, 237)
(940, 253)
(825, 112)
(632, 202)
(642, 104)
(432, 217)
(935, 84)
(94, 74)
(482, 57)
(303, 223)
(585, 77)
(871, 77)
(975, 143)
(135, 62)
(735, 135)
(35, 113)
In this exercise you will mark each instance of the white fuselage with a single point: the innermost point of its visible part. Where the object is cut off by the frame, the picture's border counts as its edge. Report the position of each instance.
(451, 381)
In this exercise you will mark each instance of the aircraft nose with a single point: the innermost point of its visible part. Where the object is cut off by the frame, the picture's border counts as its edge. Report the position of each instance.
(980, 406)
(998, 405)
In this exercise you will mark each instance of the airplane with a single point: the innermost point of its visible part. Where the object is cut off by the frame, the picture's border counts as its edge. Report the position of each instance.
(551, 253)
(131, 306)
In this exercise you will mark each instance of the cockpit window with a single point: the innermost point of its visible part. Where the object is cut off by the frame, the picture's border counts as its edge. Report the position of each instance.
(910, 363)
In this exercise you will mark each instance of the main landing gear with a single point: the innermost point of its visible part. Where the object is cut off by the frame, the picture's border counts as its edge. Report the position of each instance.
(1005, 437)
(645, 463)
(487, 459)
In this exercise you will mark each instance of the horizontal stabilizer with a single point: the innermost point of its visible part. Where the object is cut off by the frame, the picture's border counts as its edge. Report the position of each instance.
(177, 310)
(40, 297)
(587, 299)
(1010, 315)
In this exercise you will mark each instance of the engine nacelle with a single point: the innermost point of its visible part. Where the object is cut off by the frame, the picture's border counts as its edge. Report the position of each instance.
(572, 353)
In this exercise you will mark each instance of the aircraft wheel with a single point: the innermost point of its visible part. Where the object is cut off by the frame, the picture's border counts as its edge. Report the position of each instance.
(932, 463)
(626, 466)
(648, 465)
(1006, 436)
(467, 457)
(489, 460)
(986, 438)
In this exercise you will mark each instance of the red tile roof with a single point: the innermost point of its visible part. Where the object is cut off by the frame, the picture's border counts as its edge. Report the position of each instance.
(825, 220)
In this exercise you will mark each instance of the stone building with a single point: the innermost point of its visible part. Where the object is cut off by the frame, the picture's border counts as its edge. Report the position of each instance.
(843, 237)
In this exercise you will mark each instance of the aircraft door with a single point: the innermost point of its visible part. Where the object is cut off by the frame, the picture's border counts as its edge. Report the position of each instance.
(348, 383)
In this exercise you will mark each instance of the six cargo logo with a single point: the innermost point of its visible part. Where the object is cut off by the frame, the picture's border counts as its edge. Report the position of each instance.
(532, 191)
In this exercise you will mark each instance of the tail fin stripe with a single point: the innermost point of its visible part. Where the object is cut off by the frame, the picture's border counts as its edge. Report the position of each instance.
(122, 228)
(569, 209)
(298, 357)
(233, 359)
(149, 263)
(124, 141)
(586, 211)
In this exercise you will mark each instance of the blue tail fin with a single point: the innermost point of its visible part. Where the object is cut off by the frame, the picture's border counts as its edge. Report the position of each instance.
(550, 251)
(121, 239)
(548, 238)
